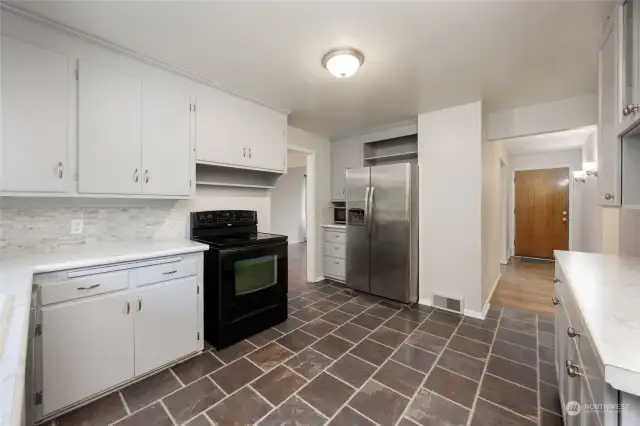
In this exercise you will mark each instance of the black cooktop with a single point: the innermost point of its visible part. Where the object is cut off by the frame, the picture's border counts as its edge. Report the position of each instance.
(240, 240)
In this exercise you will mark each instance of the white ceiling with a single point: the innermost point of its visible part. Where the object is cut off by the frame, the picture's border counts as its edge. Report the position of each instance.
(420, 56)
(558, 141)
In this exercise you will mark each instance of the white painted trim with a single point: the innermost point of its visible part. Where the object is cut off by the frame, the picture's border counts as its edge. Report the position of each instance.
(317, 279)
(475, 314)
(504, 262)
(114, 48)
(313, 221)
(512, 206)
(487, 304)
(386, 127)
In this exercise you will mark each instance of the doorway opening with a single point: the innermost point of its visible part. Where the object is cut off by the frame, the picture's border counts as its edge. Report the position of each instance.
(292, 215)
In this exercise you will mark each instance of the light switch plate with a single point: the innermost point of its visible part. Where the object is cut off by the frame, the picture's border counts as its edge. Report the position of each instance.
(76, 226)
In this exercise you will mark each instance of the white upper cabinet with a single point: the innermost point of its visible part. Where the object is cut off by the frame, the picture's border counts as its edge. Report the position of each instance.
(166, 149)
(344, 155)
(109, 131)
(625, 23)
(237, 132)
(608, 141)
(35, 115)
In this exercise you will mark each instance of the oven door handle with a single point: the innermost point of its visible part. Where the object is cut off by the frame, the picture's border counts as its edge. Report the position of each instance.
(257, 247)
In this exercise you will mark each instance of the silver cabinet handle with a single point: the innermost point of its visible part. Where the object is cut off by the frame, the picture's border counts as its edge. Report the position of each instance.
(128, 308)
(571, 332)
(555, 280)
(60, 170)
(608, 197)
(249, 152)
(139, 304)
(135, 175)
(146, 176)
(569, 363)
(244, 152)
(630, 109)
(573, 370)
(89, 287)
(336, 263)
(170, 272)
(556, 301)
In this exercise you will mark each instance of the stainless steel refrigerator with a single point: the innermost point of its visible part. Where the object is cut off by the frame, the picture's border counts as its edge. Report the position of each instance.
(382, 230)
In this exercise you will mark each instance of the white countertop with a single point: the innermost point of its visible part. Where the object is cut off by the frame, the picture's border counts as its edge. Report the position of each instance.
(607, 291)
(16, 275)
(334, 226)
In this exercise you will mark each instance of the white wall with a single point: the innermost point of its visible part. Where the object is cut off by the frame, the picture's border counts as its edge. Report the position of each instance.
(550, 160)
(319, 189)
(492, 214)
(548, 117)
(394, 130)
(450, 159)
(287, 205)
(591, 216)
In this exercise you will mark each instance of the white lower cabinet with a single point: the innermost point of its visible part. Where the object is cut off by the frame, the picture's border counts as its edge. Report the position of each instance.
(87, 347)
(335, 264)
(160, 338)
(93, 342)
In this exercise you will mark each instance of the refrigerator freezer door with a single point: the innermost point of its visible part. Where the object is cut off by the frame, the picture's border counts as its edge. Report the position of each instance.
(390, 231)
(357, 256)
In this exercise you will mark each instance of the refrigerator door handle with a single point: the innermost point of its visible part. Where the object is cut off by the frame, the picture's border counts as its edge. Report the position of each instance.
(366, 208)
(370, 212)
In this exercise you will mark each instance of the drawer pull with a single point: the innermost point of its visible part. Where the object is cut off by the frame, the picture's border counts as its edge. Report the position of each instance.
(571, 332)
(555, 280)
(556, 301)
(170, 272)
(89, 287)
(573, 371)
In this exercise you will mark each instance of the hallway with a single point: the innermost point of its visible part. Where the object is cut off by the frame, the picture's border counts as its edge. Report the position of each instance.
(297, 265)
(527, 286)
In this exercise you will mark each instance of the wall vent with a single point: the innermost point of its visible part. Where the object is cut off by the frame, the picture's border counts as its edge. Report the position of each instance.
(448, 303)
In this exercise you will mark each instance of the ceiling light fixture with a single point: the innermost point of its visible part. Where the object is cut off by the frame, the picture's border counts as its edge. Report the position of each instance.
(343, 63)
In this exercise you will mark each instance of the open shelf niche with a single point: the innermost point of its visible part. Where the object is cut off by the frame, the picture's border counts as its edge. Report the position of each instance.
(214, 175)
(396, 150)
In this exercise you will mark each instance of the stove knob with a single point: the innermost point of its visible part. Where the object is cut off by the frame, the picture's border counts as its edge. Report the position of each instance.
(201, 217)
(209, 217)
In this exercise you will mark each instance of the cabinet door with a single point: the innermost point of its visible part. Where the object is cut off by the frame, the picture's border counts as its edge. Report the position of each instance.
(35, 116)
(165, 140)
(87, 347)
(344, 155)
(109, 127)
(221, 136)
(267, 138)
(608, 141)
(625, 21)
(573, 391)
(166, 323)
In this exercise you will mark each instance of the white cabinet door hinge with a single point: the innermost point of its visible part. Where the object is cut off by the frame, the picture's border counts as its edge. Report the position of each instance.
(38, 330)
(198, 290)
(37, 398)
(198, 335)
(77, 73)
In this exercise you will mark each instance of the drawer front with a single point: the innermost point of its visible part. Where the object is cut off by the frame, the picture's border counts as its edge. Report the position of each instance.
(334, 250)
(334, 267)
(54, 291)
(335, 237)
(163, 272)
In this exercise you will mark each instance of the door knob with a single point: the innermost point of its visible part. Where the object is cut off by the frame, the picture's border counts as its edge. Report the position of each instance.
(564, 213)
(564, 219)
(608, 197)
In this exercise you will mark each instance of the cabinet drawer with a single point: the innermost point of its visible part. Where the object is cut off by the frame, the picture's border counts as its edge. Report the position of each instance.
(335, 237)
(54, 291)
(334, 267)
(163, 272)
(334, 250)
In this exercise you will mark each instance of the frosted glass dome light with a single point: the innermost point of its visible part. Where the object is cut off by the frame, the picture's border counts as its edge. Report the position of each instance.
(343, 63)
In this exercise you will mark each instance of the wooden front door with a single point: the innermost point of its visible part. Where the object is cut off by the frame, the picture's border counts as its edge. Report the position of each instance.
(541, 212)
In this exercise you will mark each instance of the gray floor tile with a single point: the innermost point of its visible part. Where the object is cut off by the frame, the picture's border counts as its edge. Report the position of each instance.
(548, 373)
(299, 302)
(488, 414)
(547, 354)
(462, 364)
(294, 412)
(235, 375)
(339, 298)
(297, 340)
(547, 327)
(289, 325)
(278, 384)
(516, 398)
(318, 328)
(325, 306)
(546, 339)
(412, 315)
(336, 317)
(414, 357)
(191, 400)
(453, 386)
(269, 356)
(437, 329)
(401, 325)
(371, 351)
(309, 363)
(381, 312)
(445, 318)
(201, 420)
(475, 333)
(307, 314)
(196, 367)
(240, 409)
(388, 337)
(550, 419)
(427, 342)
(549, 398)
(351, 332)
(399, 378)
(352, 370)
(348, 417)
(519, 315)
(367, 321)
(521, 326)
(102, 412)
(153, 415)
(470, 347)
(150, 389)
(332, 346)
(352, 308)
(429, 409)
(515, 353)
(494, 314)
(487, 323)
(264, 337)
(513, 372)
(233, 352)
(379, 403)
(326, 394)
(516, 338)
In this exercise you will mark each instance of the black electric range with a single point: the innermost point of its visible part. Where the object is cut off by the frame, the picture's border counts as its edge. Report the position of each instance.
(245, 275)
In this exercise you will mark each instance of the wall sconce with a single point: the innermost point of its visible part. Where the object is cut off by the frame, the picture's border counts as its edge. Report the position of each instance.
(580, 176)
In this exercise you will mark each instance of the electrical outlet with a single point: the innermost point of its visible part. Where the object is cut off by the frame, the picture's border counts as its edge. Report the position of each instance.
(76, 226)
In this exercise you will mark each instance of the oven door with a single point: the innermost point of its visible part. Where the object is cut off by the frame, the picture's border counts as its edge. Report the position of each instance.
(252, 280)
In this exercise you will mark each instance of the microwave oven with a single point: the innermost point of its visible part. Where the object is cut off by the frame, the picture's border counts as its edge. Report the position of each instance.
(340, 215)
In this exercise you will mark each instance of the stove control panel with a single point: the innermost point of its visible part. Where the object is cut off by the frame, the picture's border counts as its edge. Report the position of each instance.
(224, 218)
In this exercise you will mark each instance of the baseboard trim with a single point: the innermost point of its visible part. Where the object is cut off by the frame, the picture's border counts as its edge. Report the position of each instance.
(487, 304)
(320, 278)
(475, 314)
(504, 262)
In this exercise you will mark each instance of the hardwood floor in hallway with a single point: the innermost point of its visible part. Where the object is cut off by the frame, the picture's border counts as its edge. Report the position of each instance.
(527, 286)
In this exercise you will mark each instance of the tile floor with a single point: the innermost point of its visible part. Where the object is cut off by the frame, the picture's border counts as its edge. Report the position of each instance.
(344, 358)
